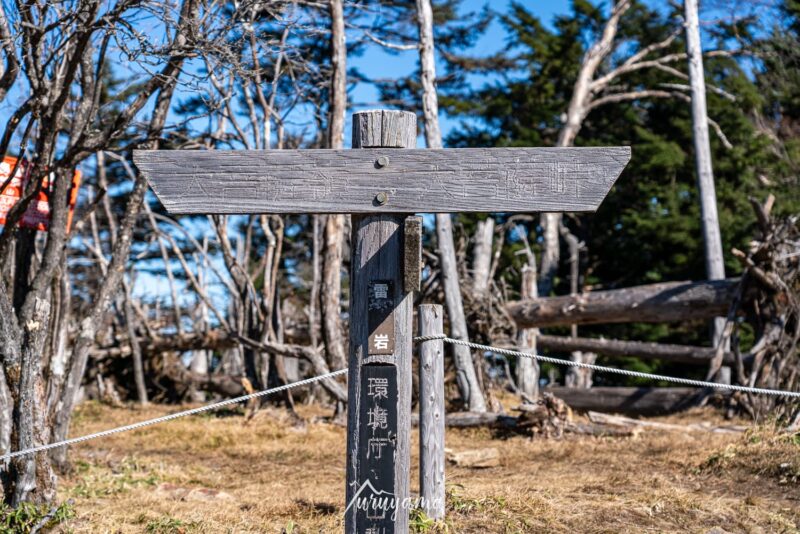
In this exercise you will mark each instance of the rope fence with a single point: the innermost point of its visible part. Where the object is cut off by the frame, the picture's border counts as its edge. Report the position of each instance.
(420, 339)
(614, 370)
(165, 418)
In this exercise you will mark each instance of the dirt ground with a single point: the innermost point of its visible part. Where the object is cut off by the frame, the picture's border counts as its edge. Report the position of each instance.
(223, 473)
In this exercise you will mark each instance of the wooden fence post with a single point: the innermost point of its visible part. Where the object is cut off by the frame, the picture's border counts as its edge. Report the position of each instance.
(431, 412)
(381, 314)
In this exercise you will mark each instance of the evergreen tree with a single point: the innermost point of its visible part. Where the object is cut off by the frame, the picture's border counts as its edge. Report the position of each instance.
(648, 229)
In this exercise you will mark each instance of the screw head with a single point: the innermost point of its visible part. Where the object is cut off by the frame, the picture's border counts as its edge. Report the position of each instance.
(381, 198)
(383, 161)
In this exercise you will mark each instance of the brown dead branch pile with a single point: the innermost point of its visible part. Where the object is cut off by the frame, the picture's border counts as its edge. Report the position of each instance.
(771, 282)
(548, 417)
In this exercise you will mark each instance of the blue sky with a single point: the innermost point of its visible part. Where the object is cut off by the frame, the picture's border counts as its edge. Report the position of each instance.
(379, 63)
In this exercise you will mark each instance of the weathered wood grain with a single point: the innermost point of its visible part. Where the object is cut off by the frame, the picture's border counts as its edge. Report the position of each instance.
(653, 303)
(412, 254)
(630, 400)
(635, 349)
(528, 368)
(377, 256)
(414, 181)
(431, 412)
(383, 128)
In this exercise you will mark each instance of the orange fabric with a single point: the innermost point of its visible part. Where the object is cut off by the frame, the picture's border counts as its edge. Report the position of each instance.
(37, 216)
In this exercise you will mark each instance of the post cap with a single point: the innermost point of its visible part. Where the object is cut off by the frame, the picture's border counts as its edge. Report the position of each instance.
(384, 128)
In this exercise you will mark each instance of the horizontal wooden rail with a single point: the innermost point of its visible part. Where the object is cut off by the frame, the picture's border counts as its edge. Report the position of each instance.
(631, 400)
(634, 349)
(654, 303)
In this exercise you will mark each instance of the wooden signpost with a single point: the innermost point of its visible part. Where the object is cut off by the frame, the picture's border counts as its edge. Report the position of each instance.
(383, 184)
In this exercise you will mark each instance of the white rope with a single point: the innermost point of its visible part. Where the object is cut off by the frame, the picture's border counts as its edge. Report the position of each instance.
(602, 369)
(442, 337)
(170, 417)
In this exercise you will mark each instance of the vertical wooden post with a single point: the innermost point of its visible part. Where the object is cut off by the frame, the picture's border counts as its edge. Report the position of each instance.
(431, 412)
(528, 368)
(379, 377)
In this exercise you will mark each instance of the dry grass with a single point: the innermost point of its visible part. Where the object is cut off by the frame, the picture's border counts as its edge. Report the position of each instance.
(279, 477)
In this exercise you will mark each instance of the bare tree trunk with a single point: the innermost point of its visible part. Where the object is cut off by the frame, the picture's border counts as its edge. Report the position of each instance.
(232, 362)
(427, 63)
(332, 330)
(467, 379)
(338, 94)
(482, 255)
(34, 477)
(136, 350)
(199, 368)
(330, 308)
(291, 364)
(59, 339)
(6, 409)
(199, 365)
(313, 298)
(576, 111)
(331, 292)
(551, 253)
(715, 265)
(574, 268)
(576, 376)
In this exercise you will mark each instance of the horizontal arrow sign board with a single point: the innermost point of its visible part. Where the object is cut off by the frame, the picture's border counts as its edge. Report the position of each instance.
(382, 180)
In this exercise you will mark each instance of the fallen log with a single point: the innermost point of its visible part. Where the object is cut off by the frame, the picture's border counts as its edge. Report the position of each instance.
(530, 422)
(225, 385)
(635, 349)
(218, 340)
(654, 303)
(630, 400)
(209, 340)
(627, 422)
(602, 431)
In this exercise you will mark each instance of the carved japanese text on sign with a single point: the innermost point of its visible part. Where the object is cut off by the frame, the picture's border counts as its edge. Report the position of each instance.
(414, 181)
(376, 457)
(381, 319)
